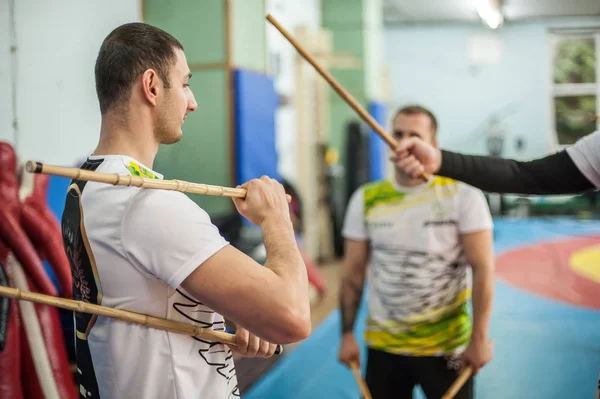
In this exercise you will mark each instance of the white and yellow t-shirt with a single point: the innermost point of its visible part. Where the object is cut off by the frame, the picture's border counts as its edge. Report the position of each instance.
(417, 281)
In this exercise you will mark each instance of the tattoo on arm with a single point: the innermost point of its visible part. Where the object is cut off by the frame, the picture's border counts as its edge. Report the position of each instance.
(351, 294)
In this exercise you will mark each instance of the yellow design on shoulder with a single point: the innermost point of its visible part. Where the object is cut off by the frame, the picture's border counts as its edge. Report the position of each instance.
(442, 181)
(138, 170)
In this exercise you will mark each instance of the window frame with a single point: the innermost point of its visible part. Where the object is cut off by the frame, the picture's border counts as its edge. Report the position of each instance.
(571, 89)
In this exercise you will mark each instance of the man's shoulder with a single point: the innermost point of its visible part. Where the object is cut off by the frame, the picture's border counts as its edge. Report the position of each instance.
(445, 187)
(444, 181)
(378, 187)
(149, 197)
(585, 149)
(380, 193)
(459, 187)
(164, 202)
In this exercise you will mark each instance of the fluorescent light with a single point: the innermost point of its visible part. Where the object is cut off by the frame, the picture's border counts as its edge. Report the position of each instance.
(489, 13)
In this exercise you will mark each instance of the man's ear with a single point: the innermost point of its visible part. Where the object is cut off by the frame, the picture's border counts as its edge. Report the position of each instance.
(150, 86)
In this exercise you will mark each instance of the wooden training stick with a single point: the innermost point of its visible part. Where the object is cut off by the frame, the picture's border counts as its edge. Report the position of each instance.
(460, 381)
(137, 181)
(337, 87)
(125, 315)
(359, 380)
(457, 385)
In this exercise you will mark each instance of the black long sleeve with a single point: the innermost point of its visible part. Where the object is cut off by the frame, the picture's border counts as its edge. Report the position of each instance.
(553, 174)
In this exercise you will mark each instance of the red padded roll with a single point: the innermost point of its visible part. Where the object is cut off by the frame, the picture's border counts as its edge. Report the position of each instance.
(10, 341)
(44, 368)
(43, 229)
(49, 321)
(11, 233)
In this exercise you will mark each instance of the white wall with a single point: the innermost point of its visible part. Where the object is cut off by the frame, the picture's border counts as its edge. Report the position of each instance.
(6, 131)
(430, 65)
(374, 60)
(57, 108)
(290, 14)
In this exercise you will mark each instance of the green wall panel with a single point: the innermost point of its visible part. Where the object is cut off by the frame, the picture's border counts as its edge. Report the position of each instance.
(350, 41)
(356, 26)
(202, 155)
(248, 25)
(343, 14)
(198, 25)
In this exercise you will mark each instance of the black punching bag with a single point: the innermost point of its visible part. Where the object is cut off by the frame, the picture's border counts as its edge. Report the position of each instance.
(356, 173)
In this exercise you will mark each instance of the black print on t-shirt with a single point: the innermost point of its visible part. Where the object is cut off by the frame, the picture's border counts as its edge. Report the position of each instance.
(419, 274)
(211, 351)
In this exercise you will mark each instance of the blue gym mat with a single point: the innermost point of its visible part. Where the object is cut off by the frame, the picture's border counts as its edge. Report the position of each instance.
(255, 105)
(543, 348)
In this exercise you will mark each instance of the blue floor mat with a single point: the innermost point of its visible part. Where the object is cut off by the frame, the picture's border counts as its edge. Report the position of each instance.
(543, 348)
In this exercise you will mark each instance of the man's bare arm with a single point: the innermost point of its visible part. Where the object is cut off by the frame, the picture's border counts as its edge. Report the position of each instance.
(353, 278)
(270, 301)
(479, 253)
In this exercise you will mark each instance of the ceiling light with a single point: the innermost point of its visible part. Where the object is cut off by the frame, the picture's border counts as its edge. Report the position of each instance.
(489, 12)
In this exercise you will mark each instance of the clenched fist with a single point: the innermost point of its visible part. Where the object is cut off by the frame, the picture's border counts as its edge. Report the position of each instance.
(265, 197)
(249, 345)
(415, 157)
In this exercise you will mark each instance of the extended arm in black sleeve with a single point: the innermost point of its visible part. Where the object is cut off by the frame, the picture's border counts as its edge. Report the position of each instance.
(553, 174)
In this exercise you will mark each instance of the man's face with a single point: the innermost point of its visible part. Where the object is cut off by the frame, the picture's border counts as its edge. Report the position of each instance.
(418, 125)
(177, 101)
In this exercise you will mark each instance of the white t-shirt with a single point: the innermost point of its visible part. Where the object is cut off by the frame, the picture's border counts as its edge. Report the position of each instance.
(130, 248)
(585, 153)
(417, 280)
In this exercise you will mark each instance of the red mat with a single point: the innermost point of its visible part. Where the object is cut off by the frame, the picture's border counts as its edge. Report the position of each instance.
(546, 269)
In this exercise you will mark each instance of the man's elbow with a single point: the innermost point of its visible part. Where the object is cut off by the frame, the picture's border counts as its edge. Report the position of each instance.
(293, 327)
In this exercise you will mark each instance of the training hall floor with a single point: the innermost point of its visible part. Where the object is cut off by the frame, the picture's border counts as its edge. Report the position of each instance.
(545, 323)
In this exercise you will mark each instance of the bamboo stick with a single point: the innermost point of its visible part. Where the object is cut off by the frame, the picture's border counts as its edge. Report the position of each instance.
(337, 87)
(137, 181)
(458, 383)
(125, 315)
(360, 381)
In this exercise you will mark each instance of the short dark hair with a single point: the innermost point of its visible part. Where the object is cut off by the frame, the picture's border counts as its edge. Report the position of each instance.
(127, 52)
(416, 110)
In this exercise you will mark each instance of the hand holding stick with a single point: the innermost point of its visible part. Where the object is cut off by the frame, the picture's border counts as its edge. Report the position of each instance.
(459, 382)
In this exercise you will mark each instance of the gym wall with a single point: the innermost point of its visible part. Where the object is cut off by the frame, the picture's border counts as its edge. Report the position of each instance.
(281, 66)
(56, 107)
(225, 44)
(6, 108)
(433, 69)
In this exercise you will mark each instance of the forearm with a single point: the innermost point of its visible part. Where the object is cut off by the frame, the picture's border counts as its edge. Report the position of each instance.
(482, 299)
(285, 260)
(554, 174)
(350, 296)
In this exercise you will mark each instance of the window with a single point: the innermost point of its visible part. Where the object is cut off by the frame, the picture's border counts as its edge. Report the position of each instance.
(575, 98)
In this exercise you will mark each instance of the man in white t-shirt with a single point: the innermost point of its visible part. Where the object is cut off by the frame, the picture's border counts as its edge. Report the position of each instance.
(573, 170)
(420, 237)
(156, 252)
